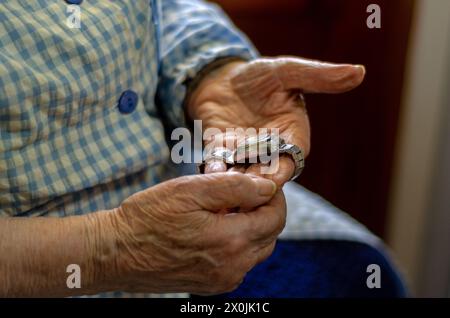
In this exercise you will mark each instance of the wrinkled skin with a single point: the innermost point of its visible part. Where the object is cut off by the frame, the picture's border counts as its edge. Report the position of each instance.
(265, 94)
(171, 239)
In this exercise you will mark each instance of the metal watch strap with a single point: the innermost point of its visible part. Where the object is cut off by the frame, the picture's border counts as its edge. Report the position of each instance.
(298, 157)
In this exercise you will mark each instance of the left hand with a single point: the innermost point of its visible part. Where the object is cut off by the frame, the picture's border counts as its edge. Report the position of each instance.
(264, 93)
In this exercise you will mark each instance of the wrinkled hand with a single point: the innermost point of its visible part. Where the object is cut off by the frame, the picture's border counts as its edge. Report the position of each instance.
(265, 94)
(171, 238)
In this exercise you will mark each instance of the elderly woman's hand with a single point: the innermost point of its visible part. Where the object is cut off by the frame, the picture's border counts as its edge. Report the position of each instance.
(265, 94)
(170, 237)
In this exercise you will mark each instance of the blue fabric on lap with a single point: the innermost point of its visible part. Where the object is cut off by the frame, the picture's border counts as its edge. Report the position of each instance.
(320, 269)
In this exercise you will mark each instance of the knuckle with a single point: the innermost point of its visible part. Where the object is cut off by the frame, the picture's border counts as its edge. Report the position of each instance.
(224, 184)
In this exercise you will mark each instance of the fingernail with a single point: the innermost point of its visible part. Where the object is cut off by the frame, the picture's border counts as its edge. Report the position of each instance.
(266, 187)
(361, 67)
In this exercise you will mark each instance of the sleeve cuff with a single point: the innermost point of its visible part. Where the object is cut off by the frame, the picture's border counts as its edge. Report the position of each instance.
(174, 93)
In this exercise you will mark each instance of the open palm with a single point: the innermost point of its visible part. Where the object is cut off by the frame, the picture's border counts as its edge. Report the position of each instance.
(265, 93)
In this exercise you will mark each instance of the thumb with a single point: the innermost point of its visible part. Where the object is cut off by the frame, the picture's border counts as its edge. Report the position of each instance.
(318, 77)
(306, 75)
(219, 191)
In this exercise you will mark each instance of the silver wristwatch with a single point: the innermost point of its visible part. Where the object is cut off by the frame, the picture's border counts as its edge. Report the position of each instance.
(252, 149)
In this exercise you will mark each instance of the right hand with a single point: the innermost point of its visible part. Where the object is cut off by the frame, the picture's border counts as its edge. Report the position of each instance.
(171, 238)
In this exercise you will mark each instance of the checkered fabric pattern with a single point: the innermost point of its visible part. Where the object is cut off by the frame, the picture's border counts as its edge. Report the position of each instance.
(65, 147)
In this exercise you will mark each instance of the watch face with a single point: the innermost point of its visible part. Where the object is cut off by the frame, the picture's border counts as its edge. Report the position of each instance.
(256, 149)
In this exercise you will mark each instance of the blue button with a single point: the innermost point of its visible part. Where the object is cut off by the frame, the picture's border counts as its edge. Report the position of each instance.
(128, 102)
(74, 1)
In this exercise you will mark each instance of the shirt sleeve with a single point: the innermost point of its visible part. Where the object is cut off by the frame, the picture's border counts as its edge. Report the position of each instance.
(192, 34)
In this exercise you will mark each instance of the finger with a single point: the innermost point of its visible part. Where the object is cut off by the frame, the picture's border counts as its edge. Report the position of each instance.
(318, 77)
(291, 73)
(217, 191)
(261, 225)
(282, 171)
(256, 170)
(286, 169)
